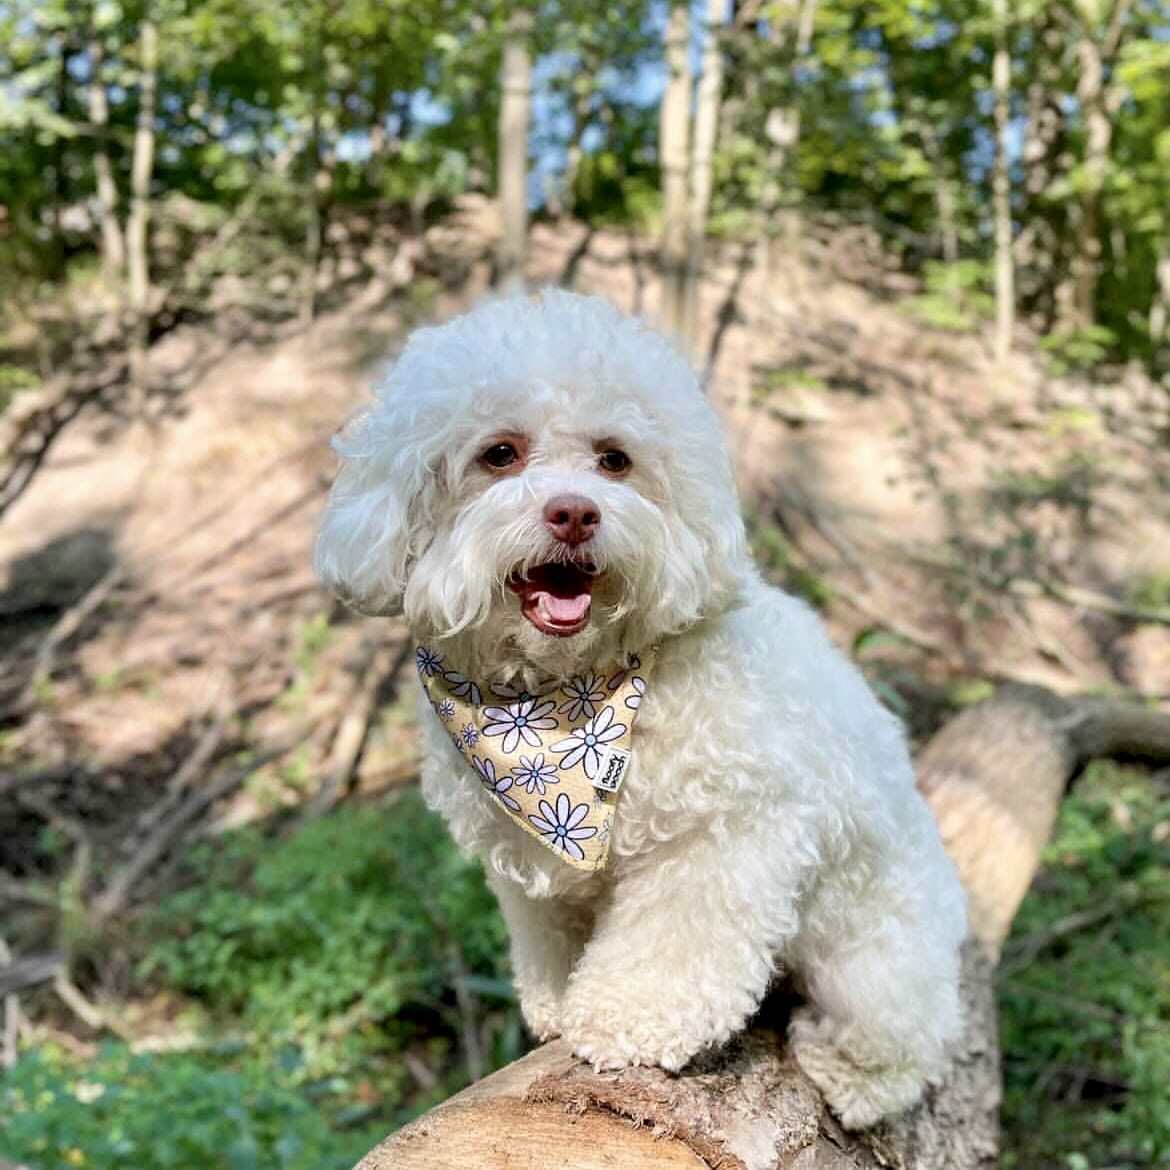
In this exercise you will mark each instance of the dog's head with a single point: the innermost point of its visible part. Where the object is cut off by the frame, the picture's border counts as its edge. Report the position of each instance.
(541, 479)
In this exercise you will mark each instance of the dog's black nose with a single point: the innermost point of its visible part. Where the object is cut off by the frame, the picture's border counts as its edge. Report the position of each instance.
(573, 519)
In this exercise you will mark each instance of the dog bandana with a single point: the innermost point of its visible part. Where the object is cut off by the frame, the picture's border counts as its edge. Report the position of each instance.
(554, 759)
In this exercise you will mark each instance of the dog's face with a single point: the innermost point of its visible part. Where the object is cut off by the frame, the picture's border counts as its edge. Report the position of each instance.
(541, 480)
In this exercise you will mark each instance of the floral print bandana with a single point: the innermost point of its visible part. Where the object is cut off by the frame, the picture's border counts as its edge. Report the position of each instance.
(553, 759)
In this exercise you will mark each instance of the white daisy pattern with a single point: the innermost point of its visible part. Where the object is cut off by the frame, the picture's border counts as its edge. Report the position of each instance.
(428, 662)
(583, 746)
(497, 785)
(534, 775)
(541, 747)
(501, 790)
(561, 827)
(584, 694)
(463, 688)
(520, 721)
(486, 770)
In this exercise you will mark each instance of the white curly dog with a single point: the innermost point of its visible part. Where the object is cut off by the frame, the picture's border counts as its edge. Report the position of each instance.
(541, 487)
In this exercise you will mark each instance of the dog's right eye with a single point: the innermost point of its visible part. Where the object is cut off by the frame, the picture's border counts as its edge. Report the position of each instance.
(500, 455)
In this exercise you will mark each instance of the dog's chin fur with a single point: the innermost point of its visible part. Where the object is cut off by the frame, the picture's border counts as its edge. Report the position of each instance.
(498, 642)
(509, 647)
(769, 818)
(458, 597)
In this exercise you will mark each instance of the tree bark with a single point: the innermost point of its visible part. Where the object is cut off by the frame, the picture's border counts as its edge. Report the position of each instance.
(113, 246)
(137, 227)
(59, 196)
(994, 778)
(945, 205)
(584, 89)
(513, 150)
(782, 130)
(672, 153)
(378, 136)
(1040, 245)
(1001, 188)
(1099, 102)
(323, 161)
(1160, 308)
(702, 155)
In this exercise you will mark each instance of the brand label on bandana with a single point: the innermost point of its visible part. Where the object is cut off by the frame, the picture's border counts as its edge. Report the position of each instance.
(612, 770)
(554, 760)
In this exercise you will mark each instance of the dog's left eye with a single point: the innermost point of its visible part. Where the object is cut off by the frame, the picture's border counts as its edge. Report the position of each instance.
(614, 460)
(500, 455)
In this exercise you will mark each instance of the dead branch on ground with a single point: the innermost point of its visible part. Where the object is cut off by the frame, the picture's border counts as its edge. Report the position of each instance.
(381, 660)
(170, 828)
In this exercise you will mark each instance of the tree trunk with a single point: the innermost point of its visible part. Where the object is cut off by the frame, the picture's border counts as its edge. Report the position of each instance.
(706, 127)
(584, 89)
(513, 150)
(1038, 249)
(1160, 309)
(782, 129)
(323, 158)
(1005, 290)
(378, 137)
(1098, 101)
(137, 228)
(994, 778)
(946, 211)
(1098, 136)
(113, 246)
(672, 154)
(313, 231)
(59, 194)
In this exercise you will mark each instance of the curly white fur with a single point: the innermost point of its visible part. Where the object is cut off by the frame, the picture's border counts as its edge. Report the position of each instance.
(769, 822)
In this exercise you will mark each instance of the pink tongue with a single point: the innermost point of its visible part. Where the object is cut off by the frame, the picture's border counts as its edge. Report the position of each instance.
(560, 608)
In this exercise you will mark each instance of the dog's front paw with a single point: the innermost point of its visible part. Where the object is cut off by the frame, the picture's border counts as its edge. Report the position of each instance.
(611, 1033)
(859, 1094)
(605, 1046)
(542, 1014)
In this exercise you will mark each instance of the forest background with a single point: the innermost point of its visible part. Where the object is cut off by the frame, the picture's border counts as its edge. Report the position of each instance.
(920, 252)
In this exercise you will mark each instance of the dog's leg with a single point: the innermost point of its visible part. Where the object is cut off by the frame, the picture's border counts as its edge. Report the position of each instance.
(681, 955)
(547, 936)
(884, 1006)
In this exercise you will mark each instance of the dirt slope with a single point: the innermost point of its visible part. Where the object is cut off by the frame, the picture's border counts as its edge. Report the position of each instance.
(918, 488)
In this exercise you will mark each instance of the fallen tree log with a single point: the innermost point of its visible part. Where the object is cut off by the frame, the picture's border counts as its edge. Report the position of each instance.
(994, 777)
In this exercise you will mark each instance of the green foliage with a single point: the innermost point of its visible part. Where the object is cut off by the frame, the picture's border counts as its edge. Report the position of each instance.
(337, 947)
(774, 554)
(1152, 590)
(608, 193)
(273, 109)
(157, 1111)
(954, 299)
(13, 379)
(788, 378)
(1075, 351)
(312, 640)
(1085, 985)
(326, 955)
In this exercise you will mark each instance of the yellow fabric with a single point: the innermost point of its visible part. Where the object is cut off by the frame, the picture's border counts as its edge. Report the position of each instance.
(553, 760)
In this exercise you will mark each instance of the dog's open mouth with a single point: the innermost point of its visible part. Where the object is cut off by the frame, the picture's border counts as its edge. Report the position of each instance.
(556, 598)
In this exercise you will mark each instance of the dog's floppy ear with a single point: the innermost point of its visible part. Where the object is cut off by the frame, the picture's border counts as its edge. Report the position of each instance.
(378, 520)
(722, 532)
